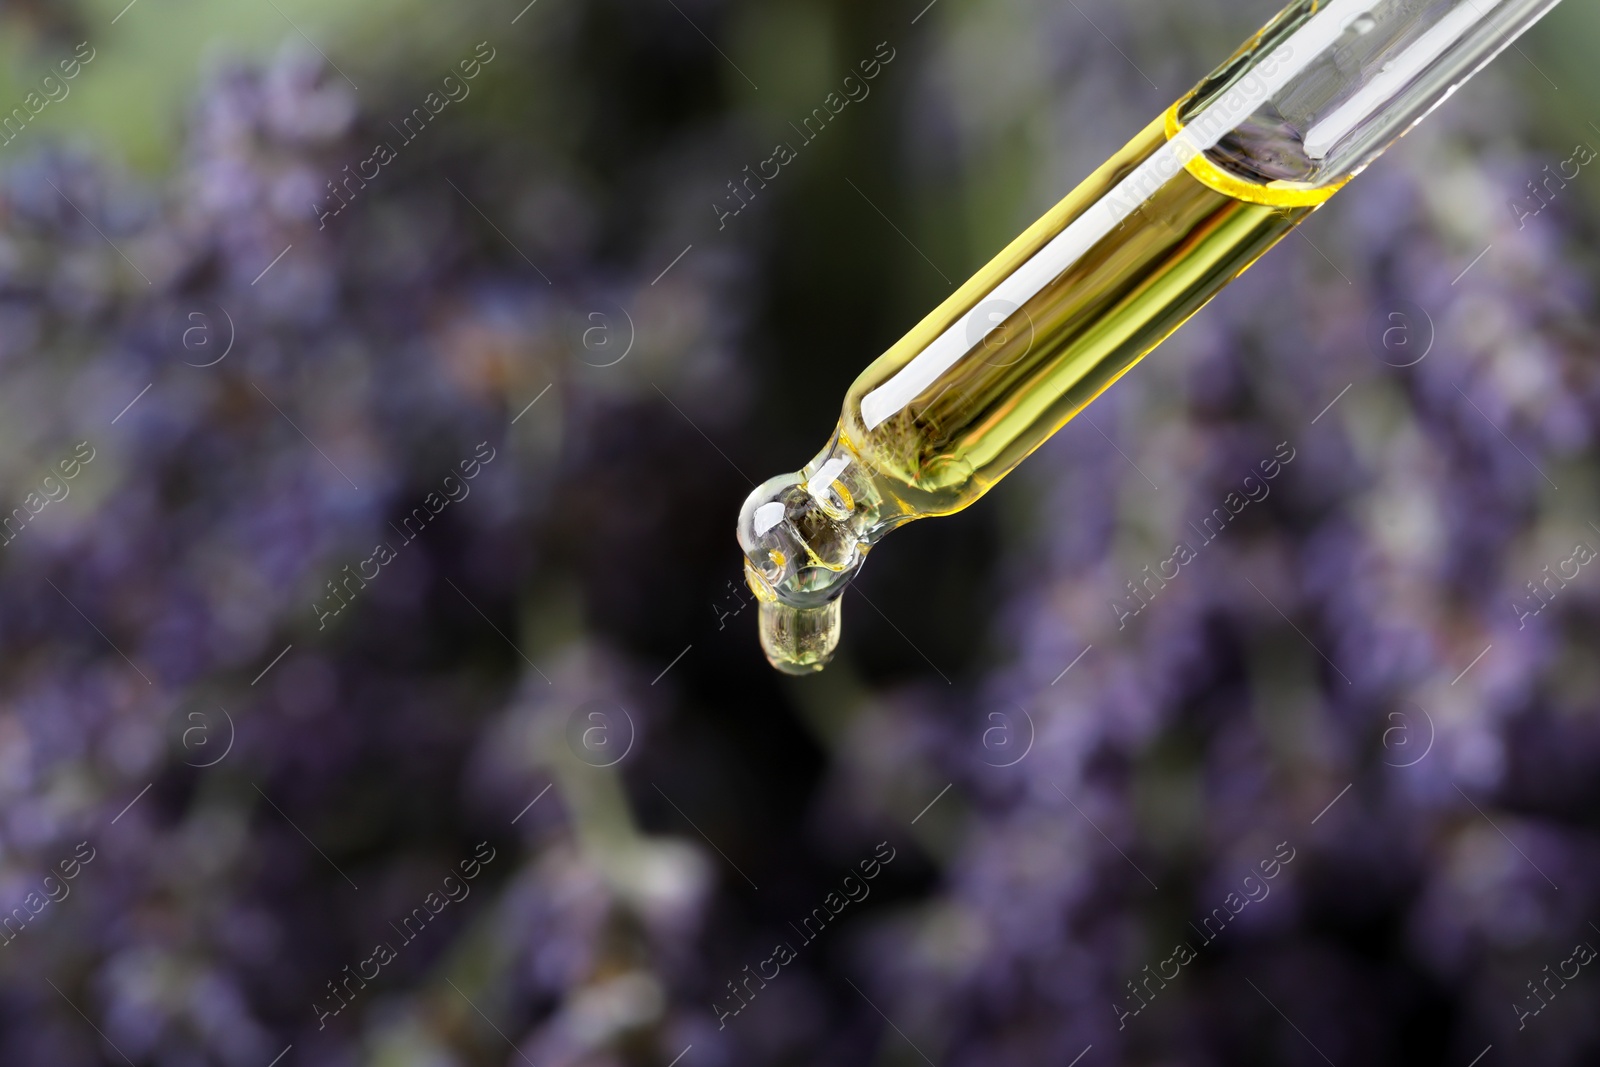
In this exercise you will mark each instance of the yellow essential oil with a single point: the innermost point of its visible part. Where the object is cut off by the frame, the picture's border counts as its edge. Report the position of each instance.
(1049, 358)
(1043, 362)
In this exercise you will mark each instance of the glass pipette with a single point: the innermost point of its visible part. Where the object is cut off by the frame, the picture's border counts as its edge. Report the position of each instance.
(1105, 276)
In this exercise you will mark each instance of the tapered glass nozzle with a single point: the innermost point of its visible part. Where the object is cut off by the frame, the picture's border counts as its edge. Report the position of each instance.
(804, 537)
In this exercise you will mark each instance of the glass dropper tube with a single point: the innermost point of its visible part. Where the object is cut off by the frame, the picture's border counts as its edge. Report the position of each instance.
(1104, 277)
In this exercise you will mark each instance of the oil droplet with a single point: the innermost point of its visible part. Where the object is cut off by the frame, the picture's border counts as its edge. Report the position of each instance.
(799, 640)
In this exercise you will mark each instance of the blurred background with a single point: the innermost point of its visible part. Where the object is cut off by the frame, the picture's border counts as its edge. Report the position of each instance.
(519, 787)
